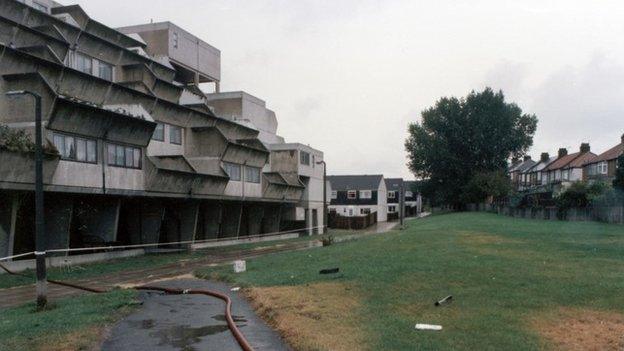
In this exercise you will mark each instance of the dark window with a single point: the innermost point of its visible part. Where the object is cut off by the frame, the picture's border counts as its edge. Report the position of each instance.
(252, 174)
(105, 70)
(233, 170)
(159, 132)
(175, 135)
(84, 63)
(74, 148)
(124, 156)
(351, 194)
(304, 158)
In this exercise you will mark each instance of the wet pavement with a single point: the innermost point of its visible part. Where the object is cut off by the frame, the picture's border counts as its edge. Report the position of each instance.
(190, 322)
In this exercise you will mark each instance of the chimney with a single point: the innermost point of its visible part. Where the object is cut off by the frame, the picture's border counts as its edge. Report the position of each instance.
(545, 157)
(585, 147)
(514, 160)
(562, 152)
(527, 157)
(622, 138)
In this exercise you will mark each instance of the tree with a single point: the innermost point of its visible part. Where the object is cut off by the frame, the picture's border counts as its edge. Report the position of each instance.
(459, 138)
(618, 182)
(485, 184)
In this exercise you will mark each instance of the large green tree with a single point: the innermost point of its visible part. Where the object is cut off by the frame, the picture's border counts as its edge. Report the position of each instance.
(459, 138)
(618, 182)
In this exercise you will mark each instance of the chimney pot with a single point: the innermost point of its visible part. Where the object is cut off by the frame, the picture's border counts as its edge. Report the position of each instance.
(545, 157)
(585, 147)
(562, 152)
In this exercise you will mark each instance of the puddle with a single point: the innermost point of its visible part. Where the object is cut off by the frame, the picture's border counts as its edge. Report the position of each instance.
(237, 319)
(143, 324)
(183, 337)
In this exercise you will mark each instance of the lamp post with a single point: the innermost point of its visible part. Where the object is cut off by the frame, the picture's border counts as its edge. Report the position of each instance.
(40, 246)
(324, 195)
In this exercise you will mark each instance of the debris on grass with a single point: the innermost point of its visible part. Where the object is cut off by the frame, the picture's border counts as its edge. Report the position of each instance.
(329, 271)
(240, 266)
(236, 288)
(447, 299)
(420, 326)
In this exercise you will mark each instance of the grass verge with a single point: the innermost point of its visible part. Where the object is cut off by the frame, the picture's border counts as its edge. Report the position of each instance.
(76, 323)
(504, 273)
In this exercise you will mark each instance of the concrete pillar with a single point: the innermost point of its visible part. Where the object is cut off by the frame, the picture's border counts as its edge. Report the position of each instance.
(151, 213)
(271, 219)
(230, 224)
(9, 204)
(58, 217)
(254, 219)
(189, 213)
(211, 220)
(98, 217)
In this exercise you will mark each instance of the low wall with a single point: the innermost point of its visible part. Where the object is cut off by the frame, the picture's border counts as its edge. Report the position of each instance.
(243, 240)
(337, 221)
(608, 214)
(68, 261)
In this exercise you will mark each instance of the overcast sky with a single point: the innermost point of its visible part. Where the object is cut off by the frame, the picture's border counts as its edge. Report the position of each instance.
(346, 77)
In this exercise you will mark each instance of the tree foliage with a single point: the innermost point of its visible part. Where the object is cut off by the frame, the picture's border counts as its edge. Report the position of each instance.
(459, 138)
(18, 140)
(484, 185)
(580, 195)
(618, 182)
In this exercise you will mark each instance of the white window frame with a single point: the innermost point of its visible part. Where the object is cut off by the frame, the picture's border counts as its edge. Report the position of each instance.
(391, 208)
(409, 193)
(334, 194)
(391, 194)
(366, 194)
(351, 194)
(604, 167)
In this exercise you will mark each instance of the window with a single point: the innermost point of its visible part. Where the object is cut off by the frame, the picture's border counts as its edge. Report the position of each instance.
(233, 171)
(334, 194)
(175, 40)
(124, 156)
(391, 194)
(105, 70)
(40, 7)
(603, 168)
(365, 211)
(304, 158)
(252, 174)
(351, 194)
(175, 135)
(392, 208)
(75, 148)
(84, 63)
(409, 194)
(159, 132)
(365, 194)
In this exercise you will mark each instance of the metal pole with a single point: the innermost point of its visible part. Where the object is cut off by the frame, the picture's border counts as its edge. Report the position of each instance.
(401, 204)
(324, 196)
(40, 245)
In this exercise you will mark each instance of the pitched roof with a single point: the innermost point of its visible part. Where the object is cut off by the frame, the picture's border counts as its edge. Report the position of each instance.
(523, 166)
(355, 182)
(393, 183)
(541, 164)
(610, 154)
(582, 160)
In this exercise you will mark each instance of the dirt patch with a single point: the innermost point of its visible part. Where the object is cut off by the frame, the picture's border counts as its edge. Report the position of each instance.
(83, 339)
(582, 329)
(321, 316)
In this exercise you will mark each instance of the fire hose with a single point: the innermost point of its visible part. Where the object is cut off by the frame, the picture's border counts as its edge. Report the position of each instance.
(238, 335)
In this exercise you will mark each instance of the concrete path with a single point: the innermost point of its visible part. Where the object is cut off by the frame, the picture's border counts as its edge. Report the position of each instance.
(190, 322)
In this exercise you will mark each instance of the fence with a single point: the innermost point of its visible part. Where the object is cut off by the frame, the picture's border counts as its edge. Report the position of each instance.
(337, 221)
(608, 214)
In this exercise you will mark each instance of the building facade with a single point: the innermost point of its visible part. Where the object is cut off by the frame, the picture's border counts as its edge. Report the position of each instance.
(138, 153)
(358, 195)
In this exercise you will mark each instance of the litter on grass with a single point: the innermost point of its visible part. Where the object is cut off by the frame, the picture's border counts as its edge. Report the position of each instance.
(447, 299)
(428, 327)
(236, 288)
(329, 271)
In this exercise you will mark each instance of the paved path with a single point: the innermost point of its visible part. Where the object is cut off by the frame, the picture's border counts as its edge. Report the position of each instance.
(190, 322)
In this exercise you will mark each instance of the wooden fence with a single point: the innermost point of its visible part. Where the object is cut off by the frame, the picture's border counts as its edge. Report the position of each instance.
(337, 221)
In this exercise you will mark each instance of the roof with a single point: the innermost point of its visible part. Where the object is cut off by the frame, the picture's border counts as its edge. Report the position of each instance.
(610, 154)
(393, 183)
(582, 160)
(541, 165)
(523, 166)
(355, 182)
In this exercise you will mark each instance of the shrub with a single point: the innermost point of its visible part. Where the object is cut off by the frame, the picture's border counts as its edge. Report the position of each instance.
(17, 140)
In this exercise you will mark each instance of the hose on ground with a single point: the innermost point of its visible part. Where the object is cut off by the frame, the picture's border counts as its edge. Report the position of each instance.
(238, 335)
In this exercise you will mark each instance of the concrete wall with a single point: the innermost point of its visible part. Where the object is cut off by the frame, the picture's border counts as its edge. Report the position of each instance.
(97, 217)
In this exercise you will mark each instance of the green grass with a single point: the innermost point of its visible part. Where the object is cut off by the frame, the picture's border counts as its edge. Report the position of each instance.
(501, 271)
(73, 323)
(134, 263)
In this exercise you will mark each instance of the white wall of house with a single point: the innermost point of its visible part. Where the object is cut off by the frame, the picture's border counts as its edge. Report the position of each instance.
(355, 210)
(382, 201)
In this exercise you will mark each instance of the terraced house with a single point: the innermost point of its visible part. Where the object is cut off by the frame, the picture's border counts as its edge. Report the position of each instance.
(138, 153)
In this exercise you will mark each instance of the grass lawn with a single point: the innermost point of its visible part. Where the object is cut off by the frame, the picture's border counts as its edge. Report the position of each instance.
(146, 261)
(74, 323)
(517, 284)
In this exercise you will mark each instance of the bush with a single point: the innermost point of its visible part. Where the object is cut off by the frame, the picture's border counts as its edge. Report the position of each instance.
(579, 195)
(618, 182)
(17, 140)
